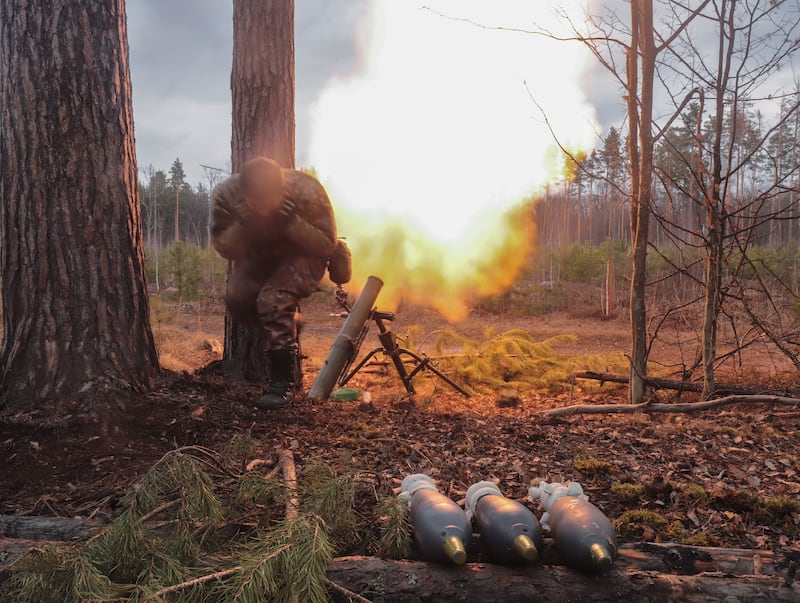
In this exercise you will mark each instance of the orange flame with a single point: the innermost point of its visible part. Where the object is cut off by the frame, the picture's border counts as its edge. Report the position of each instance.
(434, 151)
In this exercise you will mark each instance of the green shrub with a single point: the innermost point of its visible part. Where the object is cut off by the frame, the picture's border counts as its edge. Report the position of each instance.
(769, 261)
(192, 271)
(184, 269)
(582, 264)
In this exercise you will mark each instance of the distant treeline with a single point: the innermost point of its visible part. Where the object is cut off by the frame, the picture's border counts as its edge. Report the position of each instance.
(163, 194)
(589, 203)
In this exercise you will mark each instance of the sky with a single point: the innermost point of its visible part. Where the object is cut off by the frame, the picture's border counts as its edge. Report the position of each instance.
(180, 68)
(181, 59)
(431, 129)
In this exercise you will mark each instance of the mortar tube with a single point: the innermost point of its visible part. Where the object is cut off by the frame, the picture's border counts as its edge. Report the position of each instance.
(343, 347)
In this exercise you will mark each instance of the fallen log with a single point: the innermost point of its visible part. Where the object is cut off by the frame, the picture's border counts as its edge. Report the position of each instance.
(648, 407)
(36, 527)
(643, 572)
(20, 534)
(383, 580)
(668, 557)
(679, 385)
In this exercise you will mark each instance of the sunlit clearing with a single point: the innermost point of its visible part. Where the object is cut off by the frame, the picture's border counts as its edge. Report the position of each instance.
(434, 151)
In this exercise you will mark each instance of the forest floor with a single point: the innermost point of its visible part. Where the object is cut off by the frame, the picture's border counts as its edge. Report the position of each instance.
(726, 477)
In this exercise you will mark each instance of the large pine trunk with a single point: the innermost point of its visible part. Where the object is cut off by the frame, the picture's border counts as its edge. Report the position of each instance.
(262, 89)
(75, 309)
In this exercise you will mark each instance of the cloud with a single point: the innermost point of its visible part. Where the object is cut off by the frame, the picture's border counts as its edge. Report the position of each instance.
(180, 67)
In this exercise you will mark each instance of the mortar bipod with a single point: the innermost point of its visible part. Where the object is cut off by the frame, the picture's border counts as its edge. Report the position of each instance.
(390, 348)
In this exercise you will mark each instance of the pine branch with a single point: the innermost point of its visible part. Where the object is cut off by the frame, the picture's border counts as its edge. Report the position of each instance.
(346, 592)
(193, 582)
(167, 505)
(286, 460)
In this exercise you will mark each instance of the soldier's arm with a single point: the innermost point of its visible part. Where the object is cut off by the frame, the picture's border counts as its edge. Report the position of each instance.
(315, 234)
(227, 231)
(309, 216)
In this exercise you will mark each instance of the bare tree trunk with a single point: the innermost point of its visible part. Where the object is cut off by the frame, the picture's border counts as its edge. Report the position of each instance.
(640, 116)
(74, 298)
(715, 205)
(262, 88)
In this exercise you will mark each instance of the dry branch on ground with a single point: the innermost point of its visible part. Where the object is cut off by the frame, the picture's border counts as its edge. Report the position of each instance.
(648, 407)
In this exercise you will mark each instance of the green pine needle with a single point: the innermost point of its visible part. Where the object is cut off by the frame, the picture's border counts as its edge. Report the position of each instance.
(394, 541)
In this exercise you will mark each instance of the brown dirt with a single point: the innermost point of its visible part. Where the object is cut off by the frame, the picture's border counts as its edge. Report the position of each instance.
(82, 469)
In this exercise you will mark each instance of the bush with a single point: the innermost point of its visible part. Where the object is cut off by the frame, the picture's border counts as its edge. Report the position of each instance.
(193, 272)
(184, 268)
(769, 261)
(582, 264)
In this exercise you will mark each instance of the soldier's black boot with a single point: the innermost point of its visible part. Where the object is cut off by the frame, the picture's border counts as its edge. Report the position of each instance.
(283, 384)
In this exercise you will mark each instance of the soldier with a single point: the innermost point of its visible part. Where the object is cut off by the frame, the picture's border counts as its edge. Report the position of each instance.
(277, 227)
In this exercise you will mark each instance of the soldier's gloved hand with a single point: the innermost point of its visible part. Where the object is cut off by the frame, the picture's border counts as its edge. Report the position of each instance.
(286, 209)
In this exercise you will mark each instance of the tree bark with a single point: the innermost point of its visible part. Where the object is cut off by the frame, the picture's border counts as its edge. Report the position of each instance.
(383, 580)
(75, 309)
(262, 89)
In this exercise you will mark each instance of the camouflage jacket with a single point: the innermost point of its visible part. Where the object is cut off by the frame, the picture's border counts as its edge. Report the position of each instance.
(310, 229)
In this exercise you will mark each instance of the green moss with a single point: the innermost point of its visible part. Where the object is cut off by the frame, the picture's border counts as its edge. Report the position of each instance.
(363, 429)
(699, 539)
(675, 531)
(658, 488)
(694, 492)
(741, 501)
(782, 505)
(627, 493)
(592, 467)
(631, 524)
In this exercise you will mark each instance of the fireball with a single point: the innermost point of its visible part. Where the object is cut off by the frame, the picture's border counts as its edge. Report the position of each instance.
(435, 150)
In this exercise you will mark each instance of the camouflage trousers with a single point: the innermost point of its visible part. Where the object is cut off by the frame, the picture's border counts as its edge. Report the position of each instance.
(267, 293)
